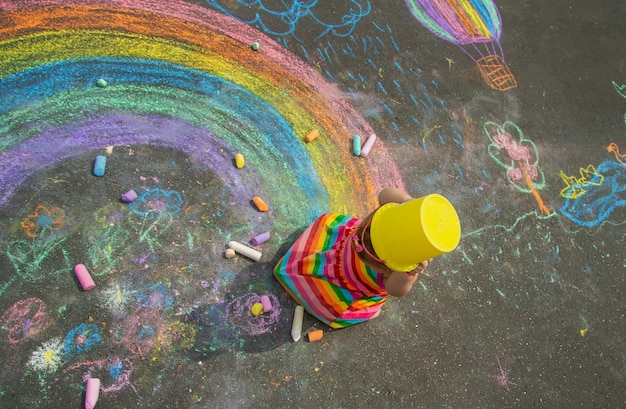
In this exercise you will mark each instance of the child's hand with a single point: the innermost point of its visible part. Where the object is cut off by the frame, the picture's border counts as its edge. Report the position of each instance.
(422, 266)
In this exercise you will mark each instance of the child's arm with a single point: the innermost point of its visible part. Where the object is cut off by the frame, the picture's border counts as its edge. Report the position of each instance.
(399, 283)
(393, 195)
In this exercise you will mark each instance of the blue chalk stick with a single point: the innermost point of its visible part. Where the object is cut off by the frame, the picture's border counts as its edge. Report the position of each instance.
(100, 165)
(356, 145)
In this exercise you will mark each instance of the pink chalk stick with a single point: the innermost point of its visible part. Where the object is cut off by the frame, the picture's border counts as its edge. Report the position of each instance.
(83, 277)
(267, 303)
(92, 391)
(261, 238)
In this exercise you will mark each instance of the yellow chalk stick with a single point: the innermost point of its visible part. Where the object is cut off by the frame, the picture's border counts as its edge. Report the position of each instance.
(240, 161)
(256, 309)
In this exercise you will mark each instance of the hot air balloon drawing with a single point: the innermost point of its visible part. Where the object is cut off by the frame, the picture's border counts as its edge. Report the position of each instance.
(473, 25)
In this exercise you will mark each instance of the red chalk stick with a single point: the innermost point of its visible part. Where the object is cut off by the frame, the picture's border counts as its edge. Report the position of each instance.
(83, 277)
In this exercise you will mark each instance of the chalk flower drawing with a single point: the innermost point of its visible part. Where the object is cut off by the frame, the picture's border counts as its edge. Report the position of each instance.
(42, 219)
(518, 155)
(114, 373)
(157, 202)
(81, 339)
(110, 215)
(48, 357)
(514, 152)
(24, 319)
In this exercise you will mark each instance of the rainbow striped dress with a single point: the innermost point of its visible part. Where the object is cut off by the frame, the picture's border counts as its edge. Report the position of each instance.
(323, 273)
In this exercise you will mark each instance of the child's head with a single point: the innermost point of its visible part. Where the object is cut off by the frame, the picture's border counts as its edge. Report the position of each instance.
(403, 235)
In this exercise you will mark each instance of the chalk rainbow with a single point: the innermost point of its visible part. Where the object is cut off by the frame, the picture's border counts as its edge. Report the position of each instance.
(179, 76)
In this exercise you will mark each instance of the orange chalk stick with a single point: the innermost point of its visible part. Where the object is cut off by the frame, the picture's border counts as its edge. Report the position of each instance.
(315, 335)
(311, 136)
(260, 204)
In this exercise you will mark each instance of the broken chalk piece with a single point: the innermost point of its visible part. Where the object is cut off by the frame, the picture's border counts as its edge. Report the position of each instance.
(255, 46)
(296, 326)
(311, 136)
(356, 145)
(259, 239)
(367, 146)
(260, 204)
(99, 165)
(256, 309)
(101, 83)
(129, 196)
(245, 250)
(92, 391)
(84, 278)
(240, 161)
(266, 303)
(229, 253)
(315, 335)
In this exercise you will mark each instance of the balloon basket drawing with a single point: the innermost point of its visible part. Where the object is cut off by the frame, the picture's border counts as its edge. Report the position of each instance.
(496, 73)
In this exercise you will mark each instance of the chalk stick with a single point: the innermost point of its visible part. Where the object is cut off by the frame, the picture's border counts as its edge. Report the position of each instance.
(99, 165)
(260, 239)
(240, 161)
(367, 146)
(102, 83)
(92, 391)
(256, 309)
(129, 196)
(311, 136)
(84, 278)
(266, 303)
(245, 250)
(229, 253)
(315, 335)
(356, 145)
(260, 204)
(296, 325)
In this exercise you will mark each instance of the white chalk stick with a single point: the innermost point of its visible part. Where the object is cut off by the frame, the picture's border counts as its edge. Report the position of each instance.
(367, 146)
(296, 326)
(84, 278)
(92, 391)
(245, 250)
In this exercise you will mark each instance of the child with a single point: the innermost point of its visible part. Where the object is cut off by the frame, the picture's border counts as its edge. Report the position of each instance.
(342, 269)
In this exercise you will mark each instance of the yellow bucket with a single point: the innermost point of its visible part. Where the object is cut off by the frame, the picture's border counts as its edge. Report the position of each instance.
(403, 235)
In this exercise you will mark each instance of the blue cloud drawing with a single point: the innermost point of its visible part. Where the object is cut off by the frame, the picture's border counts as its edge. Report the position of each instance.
(595, 206)
(338, 18)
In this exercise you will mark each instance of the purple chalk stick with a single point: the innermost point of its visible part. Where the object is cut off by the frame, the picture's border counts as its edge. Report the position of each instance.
(261, 238)
(129, 196)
